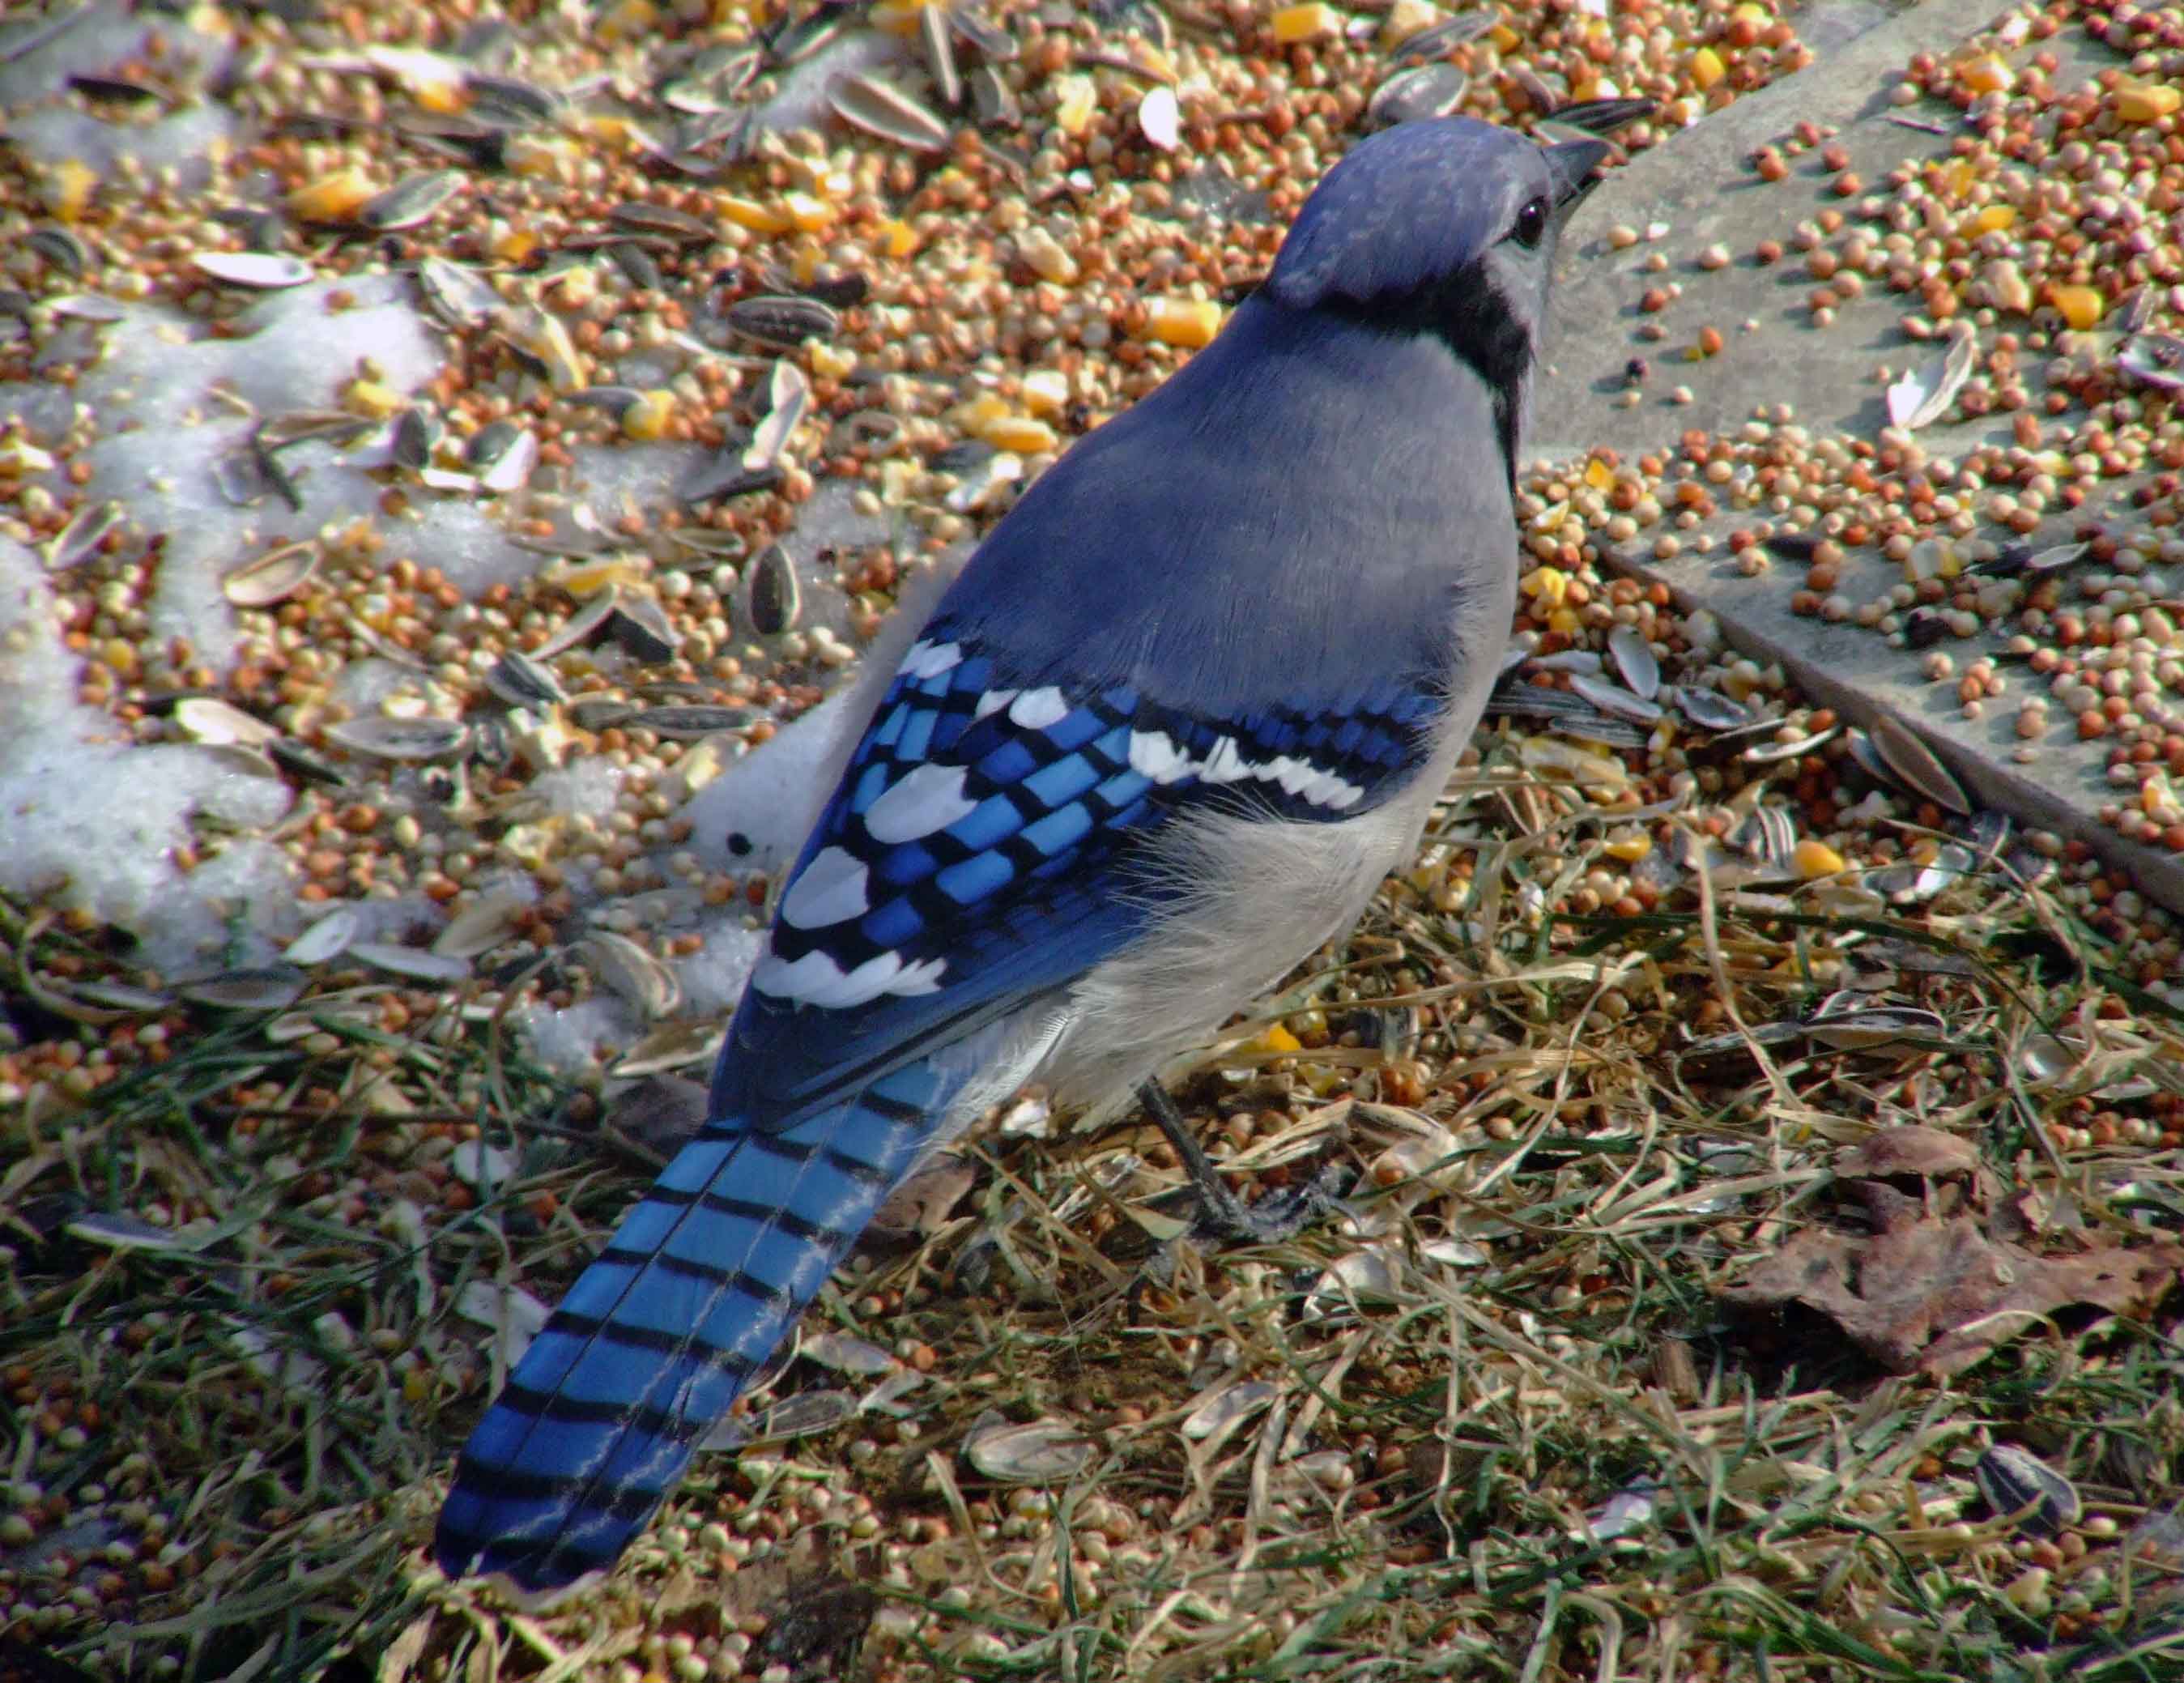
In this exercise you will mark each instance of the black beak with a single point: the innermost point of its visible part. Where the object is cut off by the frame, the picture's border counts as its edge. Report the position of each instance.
(1573, 161)
(1572, 164)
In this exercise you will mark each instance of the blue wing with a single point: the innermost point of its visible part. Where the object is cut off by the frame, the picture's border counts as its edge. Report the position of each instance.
(983, 850)
(986, 846)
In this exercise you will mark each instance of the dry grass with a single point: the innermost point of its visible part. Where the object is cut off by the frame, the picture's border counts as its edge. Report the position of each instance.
(1388, 1450)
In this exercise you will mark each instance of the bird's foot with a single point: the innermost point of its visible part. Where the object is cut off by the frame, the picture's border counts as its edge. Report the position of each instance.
(1222, 1218)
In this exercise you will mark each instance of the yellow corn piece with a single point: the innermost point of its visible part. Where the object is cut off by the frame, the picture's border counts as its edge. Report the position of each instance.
(2137, 102)
(332, 198)
(1045, 391)
(372, 397)
(1018, 432)
(69, 186)
(1312, 21)
(647, 418)
(2081, 306)
(749, 213)
(1816, 859)
(1189, 322)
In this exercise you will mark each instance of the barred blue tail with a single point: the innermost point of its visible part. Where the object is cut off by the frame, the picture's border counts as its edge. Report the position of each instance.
(656, 1339)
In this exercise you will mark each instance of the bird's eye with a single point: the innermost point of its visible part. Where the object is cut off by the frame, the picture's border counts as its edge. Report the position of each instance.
(1531, 225)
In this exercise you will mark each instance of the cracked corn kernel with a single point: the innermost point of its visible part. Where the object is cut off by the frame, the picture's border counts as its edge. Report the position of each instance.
(1077, 98)
(1045, 257)
(69, 186)
(749, 213)
(1189, 322)
(1045, 391)
(2145, 101)
(1705, 68)
(1994, 218)
(1019, 433)
(1816, 859)
(806, 212)
(1277, 1039)
(1628, 846)
(832, 362)
(1405, 19)
(332, 198)
(1546, 585)
(1310, 22)
(1987, 74)
(373, 397)
(648, 417)
(897, 238)
(2080, 306)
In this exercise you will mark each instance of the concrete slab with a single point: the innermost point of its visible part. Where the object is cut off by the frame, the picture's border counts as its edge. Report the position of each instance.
(1699, 183)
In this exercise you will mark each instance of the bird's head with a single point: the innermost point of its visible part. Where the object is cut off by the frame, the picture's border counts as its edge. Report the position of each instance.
(1445, 228)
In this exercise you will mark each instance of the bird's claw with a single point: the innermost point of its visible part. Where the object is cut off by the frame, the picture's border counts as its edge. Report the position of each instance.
(1223, 1219)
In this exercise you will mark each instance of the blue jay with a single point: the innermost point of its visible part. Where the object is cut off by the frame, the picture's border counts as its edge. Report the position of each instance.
(1187, 704)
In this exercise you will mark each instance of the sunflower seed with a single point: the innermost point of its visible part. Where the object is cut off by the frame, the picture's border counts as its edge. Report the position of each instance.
(1911, 763)
(87, 528)
(992, 43)
(808, 1412)
(1444, 38)
(1227, 1408)
(1619, 702)
(409, 740)
(772, 597)
(1415, 93)
(790, 397)
(1544, 100)
(417, 435)
(86, 307)
(210, 720)
(1043, 1452)
(266, 271)
(1633, 658)
(938, 41)
(580, 626)
(641, 627)
(272, 987)
(1861, 1029)
(1922, 397)
(1773, 752)
(409, 202)
(505, 99)
(641, 217)
(522, 682)
(481, 926)
(2015, 1481)
(505, 464)
(413, 962)
(783, 320)
(2155, 358)
(641, 979)
(1159, 119)
(459, 295)
(1768, 834)
(273, 577)
(62, 247)
(675, 1046)
(878, 106)
(992, 102)
(688, 723)
(637, 265)
(328, 938)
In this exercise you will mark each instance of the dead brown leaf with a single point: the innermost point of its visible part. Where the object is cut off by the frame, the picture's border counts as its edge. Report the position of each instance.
(1909, 1149)
(1933, 1295)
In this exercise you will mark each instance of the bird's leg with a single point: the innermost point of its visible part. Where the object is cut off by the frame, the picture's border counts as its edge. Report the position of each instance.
(1222, 1216)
